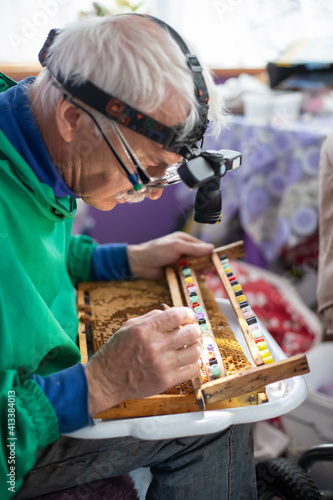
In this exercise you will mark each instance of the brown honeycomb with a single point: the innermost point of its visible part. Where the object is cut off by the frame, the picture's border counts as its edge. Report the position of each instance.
(114, 303)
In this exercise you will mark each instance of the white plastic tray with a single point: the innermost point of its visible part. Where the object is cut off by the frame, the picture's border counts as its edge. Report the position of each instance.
(282, 398)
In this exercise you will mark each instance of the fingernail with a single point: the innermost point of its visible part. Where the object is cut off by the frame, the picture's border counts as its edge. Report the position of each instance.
(192, 313)
(198, 329)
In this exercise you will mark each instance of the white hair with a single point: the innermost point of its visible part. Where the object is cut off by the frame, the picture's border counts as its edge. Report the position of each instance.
(129, 57)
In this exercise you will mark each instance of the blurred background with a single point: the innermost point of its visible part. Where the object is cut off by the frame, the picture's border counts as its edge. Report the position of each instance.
(228, 33)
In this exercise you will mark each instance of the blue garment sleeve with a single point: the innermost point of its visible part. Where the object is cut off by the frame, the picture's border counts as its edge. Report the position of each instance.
(109, 262)
(67, 391)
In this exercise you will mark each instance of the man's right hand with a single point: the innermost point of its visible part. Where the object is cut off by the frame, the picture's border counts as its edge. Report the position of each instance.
(148, 355)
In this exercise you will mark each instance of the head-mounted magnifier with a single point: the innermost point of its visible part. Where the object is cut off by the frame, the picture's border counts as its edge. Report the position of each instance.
(200, 170)
(203, 172)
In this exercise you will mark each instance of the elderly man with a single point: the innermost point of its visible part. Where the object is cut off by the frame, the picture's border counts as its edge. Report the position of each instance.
(59, 141)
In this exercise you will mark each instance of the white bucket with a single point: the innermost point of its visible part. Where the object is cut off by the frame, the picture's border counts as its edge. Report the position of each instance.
(281, 107)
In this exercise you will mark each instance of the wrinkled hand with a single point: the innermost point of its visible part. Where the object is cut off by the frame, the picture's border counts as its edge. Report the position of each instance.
(148, 259)
(145, 357)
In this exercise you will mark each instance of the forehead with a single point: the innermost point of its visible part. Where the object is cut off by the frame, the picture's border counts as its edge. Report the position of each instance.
(168, 116)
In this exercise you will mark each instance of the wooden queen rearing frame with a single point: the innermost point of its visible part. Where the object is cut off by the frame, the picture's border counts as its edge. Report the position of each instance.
(246, 387)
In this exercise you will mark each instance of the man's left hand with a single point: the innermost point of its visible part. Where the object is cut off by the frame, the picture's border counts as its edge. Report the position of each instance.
(147, 260)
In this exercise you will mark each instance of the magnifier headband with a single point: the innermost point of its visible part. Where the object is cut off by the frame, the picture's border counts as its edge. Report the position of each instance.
(171, 138)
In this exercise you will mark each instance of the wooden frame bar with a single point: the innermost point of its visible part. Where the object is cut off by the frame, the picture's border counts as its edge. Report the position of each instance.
(201, 301)
(173, 287)
(232, 251)
(254, 351)
(255, 378)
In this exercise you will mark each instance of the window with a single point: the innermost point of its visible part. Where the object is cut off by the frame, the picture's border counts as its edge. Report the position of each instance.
(228, 33)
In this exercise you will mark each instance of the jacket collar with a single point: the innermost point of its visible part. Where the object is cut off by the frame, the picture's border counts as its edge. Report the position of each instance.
(18, 124)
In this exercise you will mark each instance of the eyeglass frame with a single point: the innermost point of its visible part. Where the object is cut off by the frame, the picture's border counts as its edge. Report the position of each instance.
(140, 179)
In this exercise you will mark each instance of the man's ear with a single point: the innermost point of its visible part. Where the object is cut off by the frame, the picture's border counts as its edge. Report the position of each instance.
(68, 119)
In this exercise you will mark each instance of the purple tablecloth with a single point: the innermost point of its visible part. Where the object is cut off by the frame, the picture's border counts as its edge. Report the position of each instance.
(275, 191)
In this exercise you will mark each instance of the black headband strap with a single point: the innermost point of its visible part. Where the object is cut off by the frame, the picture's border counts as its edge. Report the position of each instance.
(116, 109)
(192, 60)
(112, 107)
(120, 112)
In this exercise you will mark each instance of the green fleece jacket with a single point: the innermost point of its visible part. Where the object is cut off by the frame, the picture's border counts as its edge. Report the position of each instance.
(38, 319)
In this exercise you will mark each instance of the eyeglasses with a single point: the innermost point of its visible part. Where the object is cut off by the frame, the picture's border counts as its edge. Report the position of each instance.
(140, 178)
(171, 177)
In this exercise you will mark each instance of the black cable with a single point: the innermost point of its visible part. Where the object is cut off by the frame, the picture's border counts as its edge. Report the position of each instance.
(133, 177)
